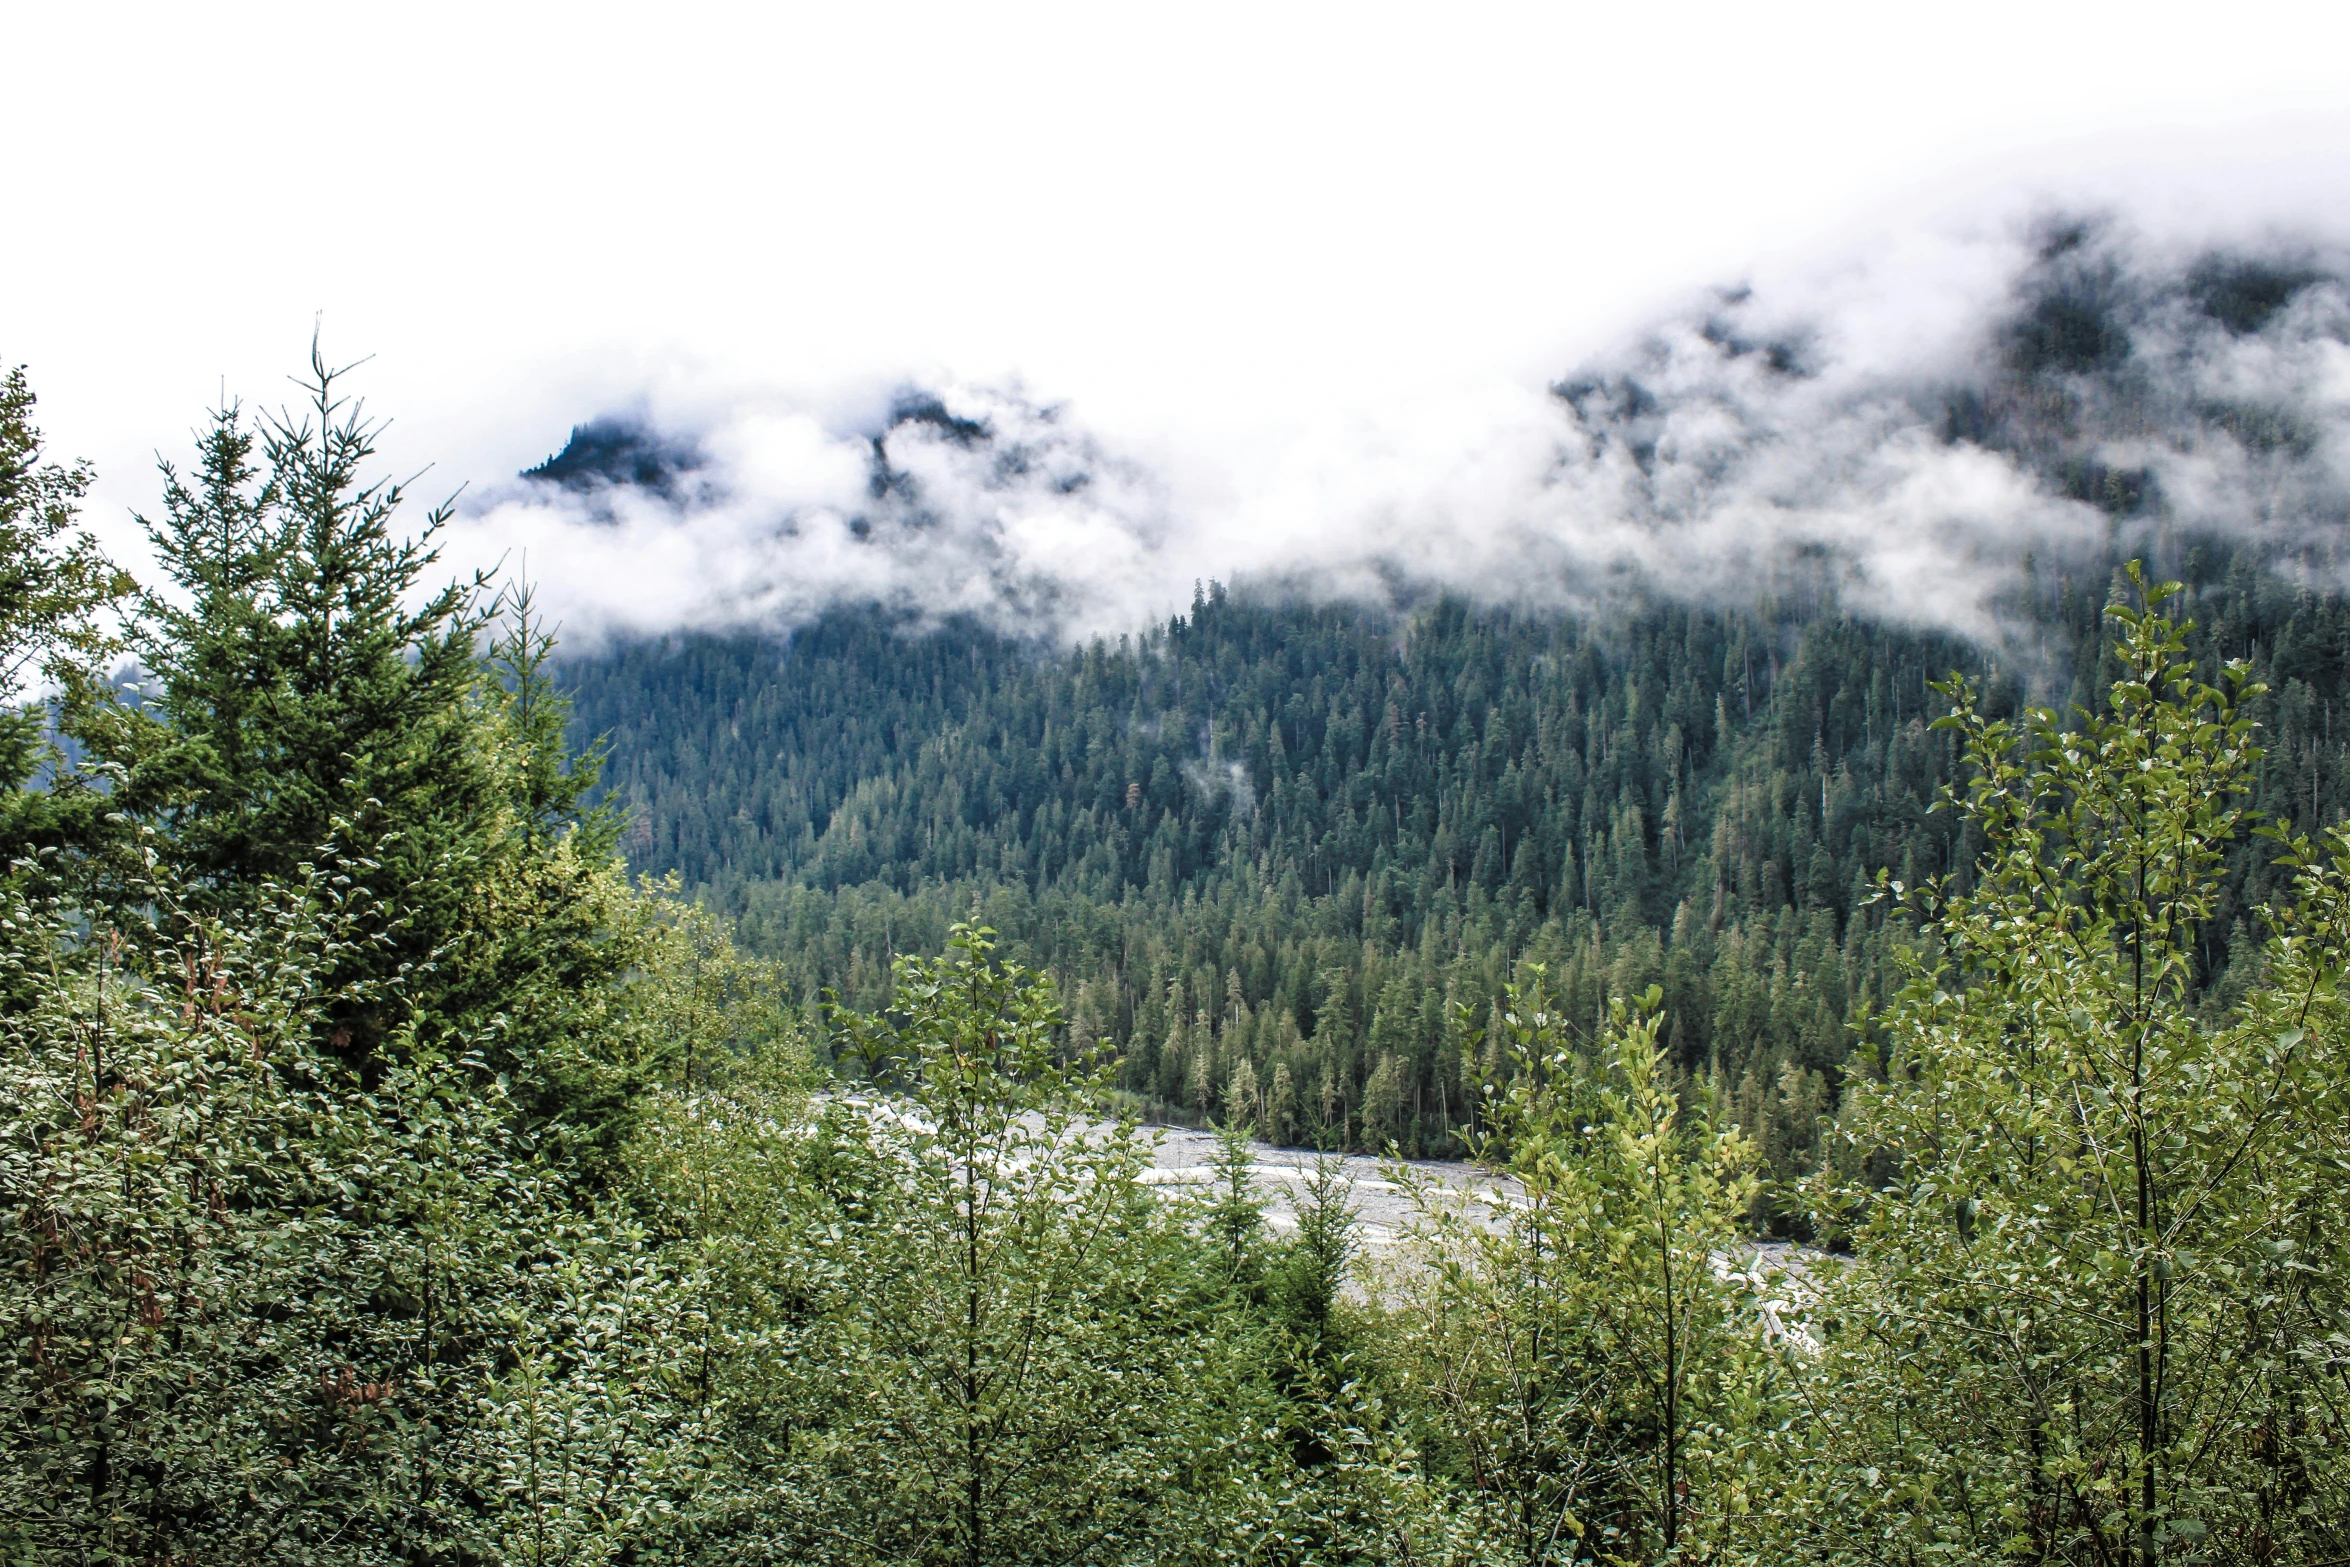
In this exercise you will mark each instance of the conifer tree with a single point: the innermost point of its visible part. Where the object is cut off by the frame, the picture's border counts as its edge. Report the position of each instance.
(311, 700)
(306, 698)
(316, 1083)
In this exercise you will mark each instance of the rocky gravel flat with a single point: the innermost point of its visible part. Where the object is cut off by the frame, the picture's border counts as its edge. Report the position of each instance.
(1183, 1158)
(1782, 1271)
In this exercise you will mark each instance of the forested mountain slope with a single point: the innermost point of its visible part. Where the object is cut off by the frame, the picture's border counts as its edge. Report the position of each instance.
(1270, 844)
(1276, 843)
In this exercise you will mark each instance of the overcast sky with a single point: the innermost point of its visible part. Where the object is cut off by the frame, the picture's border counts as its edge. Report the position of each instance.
(1202, 225)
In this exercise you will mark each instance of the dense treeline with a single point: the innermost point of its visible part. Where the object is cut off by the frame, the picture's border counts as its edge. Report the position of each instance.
(1268, 850)
(385, 1178)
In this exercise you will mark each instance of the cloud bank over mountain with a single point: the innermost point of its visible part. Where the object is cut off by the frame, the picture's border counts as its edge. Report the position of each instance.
(1906, 430)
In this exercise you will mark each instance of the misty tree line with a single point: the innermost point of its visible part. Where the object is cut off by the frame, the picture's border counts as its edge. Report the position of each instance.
(387, 1178)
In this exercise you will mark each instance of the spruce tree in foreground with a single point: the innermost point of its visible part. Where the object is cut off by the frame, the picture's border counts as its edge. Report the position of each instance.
(311, 699)
(297, 698)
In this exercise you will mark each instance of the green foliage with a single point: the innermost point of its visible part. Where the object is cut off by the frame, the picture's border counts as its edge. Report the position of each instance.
(947, 1317)
(294, 687)
(1572, 1331)
(2096, 1299)
(324, 1041)
(1234, 1214)
(1313, 1267)
(52, 577)
(309, 704)
(54, 588)
(253, 1306)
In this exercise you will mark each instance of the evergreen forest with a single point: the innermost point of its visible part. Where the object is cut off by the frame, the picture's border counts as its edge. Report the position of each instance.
(691, 1101)
(1271, 852)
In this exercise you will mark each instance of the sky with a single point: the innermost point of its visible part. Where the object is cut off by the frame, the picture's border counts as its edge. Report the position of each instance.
(1218, 233)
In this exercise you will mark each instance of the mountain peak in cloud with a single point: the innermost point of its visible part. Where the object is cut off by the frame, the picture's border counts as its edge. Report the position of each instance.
(1900, 435)
(618, 449)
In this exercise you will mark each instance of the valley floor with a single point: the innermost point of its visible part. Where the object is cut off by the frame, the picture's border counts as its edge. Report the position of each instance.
(1381, 1208)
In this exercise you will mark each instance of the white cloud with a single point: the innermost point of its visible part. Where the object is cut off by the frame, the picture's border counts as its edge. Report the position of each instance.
(1787, 436)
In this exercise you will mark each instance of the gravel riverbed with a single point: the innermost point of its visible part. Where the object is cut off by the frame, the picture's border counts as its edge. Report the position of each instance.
(1782, 1271)
(1183, 1158)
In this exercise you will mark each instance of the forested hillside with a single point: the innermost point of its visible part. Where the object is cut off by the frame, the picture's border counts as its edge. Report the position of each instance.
(1276, 844)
